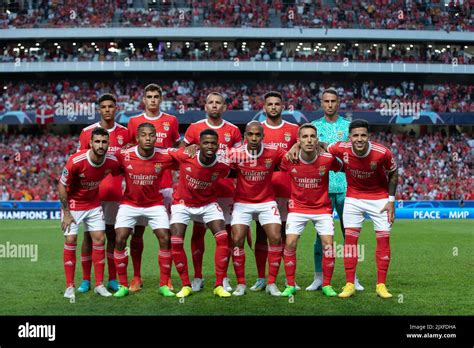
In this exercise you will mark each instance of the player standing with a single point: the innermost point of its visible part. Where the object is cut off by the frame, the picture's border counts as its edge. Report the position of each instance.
(79, 195)
(255, 163)
(309, 202)
(229, 137)
(167, 135)
(143, 166)
(372, 180)
(284, 135)
(331, 128)
(110, 190)
(196, 198)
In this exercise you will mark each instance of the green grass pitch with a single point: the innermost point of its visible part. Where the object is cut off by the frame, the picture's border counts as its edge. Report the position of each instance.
(430, 274)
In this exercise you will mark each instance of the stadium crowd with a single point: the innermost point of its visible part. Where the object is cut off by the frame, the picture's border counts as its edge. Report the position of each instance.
(378, 14)
(240, 95)
(69, 51)
(31, 165)
(431, 167)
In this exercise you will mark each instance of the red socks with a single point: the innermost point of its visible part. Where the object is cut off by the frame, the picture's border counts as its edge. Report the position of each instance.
(238, 257)
(180, 259)
(164, 261)
(136, 250)
(261, 254)
(274, 260)
(121, 263)
(111, 266)
(382, 255)
(98, 259)
(221, 256)
(69, 260)
(350, 253)
(289, 261)
(328, 264)
(197, 248)
(86, 263)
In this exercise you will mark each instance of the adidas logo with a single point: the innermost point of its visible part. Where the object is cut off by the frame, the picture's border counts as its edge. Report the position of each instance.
(236, 264)
(167, 266)
(276, 264)
(188, 169)
(129, 166)
(121, 265)
(331, 264)
(179, 265)
(291, 263)
(294, 170)
(82, 175)
(68, 263)
(385, 258)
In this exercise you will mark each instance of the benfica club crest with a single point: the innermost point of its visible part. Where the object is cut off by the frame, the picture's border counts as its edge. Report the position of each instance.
(287, 136)
(166, 126)
(340, 134)
(268, 163)
(214, 176)
(322, 170)
(227, 137)
(157, 168)
(120, 139)
(373, 165)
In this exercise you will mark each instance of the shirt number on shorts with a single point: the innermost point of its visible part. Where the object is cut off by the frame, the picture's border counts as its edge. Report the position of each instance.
(275, 210)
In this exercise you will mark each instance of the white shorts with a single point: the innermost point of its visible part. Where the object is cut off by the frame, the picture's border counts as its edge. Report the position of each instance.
(156, 216)
(93, 220)
(323, 223)
(110, 212)
(181, 214)
(266, 213)
(226, 204)
(283, 207)
(354, 209)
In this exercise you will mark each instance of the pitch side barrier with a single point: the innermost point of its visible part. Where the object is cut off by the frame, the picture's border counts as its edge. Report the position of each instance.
(419, 210)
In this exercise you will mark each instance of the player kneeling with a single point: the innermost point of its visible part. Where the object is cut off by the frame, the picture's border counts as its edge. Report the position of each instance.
(309, 202)
(196, 199)
(143, 166)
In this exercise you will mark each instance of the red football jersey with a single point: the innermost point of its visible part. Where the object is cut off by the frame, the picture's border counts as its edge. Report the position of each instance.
(310, 184)
(284, 136)
(229, 137)
(197, 182)
(229, 134)
(110, 188)
(254, 173)
(167, 133)
(366, 175)
(82, 177)
(143, 176)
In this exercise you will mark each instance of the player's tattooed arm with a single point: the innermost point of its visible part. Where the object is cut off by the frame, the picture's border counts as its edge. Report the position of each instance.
(392, 189)
(392, 182)
(63, 198)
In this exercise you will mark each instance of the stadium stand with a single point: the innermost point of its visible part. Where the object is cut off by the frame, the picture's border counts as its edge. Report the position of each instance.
(240, 94)
(379, 14)
(270, 50)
